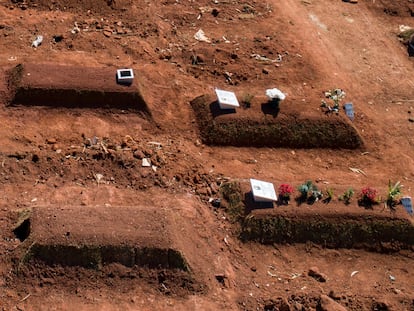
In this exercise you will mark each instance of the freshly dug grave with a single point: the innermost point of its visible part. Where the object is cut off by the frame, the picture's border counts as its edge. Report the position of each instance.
(91, 237)
(332, 224)
(71, 86)
(285, 126)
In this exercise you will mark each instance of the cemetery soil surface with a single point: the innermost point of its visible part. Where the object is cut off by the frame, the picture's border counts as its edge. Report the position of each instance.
(85, 164)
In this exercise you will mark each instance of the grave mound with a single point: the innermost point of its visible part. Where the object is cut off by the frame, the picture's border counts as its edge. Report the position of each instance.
(331, 224)
(72, 86)
(95, 237)
(369, 230)
(263, 125)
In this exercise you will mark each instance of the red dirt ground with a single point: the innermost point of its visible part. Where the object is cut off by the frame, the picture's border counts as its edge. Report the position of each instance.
(47, 160)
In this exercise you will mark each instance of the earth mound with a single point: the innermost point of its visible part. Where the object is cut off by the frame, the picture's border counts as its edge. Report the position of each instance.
(55, 237)
(282, 126)
(71, 86)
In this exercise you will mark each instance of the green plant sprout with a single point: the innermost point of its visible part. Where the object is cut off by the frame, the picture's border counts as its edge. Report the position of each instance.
(247, 100)
(394, 191)
(347, 196)
(329, 195)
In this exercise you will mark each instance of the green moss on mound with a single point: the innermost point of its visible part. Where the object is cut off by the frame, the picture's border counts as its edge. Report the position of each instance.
(91, 256)
(333, 231)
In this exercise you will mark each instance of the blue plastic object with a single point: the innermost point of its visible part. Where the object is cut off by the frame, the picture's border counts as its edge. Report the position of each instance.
(408, 205)
(349, 110)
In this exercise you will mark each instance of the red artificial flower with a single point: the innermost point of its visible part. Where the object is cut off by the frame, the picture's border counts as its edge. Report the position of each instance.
(285, 190)
(369, 193)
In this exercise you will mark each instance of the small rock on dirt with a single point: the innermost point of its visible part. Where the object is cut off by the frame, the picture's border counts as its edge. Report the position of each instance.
(381, 305)
(214, 188)
(334, 295)
(51, 141)
(265, 71)
(138, 154)
(280, 304)
(57, 38)
(216, 202)
(328, 304)
(222, 279)
(107, 33)
(297, 306)
(317, 275)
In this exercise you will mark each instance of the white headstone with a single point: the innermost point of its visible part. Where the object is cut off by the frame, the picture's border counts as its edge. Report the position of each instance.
(263, 191)
(227, 99)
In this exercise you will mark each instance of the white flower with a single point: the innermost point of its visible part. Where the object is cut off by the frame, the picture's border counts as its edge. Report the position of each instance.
(275, 94)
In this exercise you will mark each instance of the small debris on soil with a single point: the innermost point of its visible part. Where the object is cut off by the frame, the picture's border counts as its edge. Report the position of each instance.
(146, 162)
(222, 279)
(57, 38)
(317, 275)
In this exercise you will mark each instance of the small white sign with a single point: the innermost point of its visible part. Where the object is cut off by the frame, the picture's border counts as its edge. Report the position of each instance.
(125, 76)
(227, 99)
(263, 191)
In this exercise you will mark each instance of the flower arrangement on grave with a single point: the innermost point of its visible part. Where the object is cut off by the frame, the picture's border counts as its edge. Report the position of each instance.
(368, 197)
(335, 95)
(275, 96)
(309, 192)
(285, 190)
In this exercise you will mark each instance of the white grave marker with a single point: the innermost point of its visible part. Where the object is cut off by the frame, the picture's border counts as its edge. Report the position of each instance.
(263, 191)
(125, 76)
(227, 99)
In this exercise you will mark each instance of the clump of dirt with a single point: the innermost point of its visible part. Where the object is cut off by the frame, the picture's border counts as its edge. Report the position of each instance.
(395, 8)
(13, 77)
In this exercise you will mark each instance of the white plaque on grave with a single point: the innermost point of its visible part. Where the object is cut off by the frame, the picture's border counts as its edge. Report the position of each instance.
(263, 191)
(227, 99)
(125, 76)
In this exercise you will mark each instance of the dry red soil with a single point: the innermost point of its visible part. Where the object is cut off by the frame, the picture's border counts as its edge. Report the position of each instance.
(87, 191)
